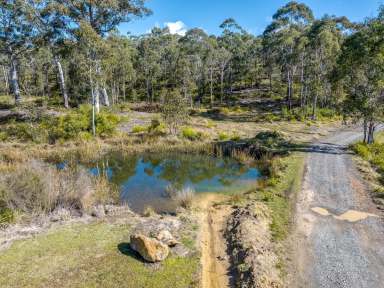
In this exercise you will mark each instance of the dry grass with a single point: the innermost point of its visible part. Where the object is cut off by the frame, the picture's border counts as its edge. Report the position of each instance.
(38, 187)
(183, 197)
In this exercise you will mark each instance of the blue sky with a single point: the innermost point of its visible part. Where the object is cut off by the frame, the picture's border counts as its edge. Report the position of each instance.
(253, 15)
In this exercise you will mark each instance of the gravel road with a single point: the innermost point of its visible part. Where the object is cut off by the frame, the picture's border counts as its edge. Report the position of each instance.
(333, 251)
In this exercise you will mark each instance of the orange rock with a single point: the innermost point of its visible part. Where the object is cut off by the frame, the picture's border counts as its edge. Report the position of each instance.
(150, 249)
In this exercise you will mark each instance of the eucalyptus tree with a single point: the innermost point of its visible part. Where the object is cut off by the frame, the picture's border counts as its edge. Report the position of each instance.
(195, 45)
(97, 18)
(233, 39)
(325, 39)
(53, 28)
(17, 33)
(212, 64)
(361, 72)
(149, 52)
(282, 36)
(223, 59)
(186, 72)
(119, 66)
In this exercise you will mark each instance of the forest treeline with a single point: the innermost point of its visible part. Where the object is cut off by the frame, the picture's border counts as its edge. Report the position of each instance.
(72, 49)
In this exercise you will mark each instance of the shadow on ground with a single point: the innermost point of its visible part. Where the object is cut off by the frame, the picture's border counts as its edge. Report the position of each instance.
(125, 249)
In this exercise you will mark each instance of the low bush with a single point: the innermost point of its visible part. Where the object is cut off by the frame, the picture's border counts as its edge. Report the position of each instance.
(79, 121)
(76, 124)
(139, 129)
(25, 132)
(373, 153)
(223, 136)
(191, 134)
(270, 139)
(7, 216)
(235, 137)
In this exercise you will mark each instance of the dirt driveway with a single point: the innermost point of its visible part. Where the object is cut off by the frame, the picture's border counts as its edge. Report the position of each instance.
(339, 238)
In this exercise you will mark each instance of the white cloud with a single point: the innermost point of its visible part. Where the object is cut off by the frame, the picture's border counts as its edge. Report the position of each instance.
(177, 27)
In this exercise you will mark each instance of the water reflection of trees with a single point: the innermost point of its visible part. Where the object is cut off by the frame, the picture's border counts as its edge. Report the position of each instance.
(123, 167)
(178, 169)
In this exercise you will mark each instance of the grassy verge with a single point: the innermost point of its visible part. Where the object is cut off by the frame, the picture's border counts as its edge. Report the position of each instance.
(374, 154)
(279, 191)
(95, 255)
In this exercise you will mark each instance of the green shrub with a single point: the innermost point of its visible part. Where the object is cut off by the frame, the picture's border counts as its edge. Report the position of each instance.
(326, 113)
(85, 136)
(266, 135)
(373, 153)
(285, 113)
(363, 150)
(139, 129)
(225, 110)
(106, 124)
(26, 132)
(3, 136)
(6, 216)
(156, 127)
(223, 136)
(79, 123)
(191, 134)
(235, 137)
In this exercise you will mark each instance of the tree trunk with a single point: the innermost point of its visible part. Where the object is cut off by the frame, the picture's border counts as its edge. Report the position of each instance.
(6, 79)
(314, 107)
(289, 90)
(105, 96)
(46, 90)
(222, 86)
(62, 82)
(211, 85)
(371, 132)
(365, 127)
(148, 89)
(15, 80)
(302, 84)
(97, 98)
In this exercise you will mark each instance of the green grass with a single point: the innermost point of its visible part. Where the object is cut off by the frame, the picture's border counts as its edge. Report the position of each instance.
(374, 153)
(279, 191)
(94, 255)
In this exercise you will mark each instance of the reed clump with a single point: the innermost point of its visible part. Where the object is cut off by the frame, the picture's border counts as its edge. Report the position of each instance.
(182, 196)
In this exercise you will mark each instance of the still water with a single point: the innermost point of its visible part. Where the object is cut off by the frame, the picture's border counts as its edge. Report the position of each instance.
(143, 179)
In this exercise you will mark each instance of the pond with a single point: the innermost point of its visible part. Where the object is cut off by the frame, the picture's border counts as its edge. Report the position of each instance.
(143, 179)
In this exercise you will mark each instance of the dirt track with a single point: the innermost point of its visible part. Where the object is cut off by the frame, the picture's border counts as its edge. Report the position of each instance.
(215, 261)
(340, 236)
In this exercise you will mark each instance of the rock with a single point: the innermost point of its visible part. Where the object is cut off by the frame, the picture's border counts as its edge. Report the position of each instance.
(114, 210)
(166, 237)
(150, 249)
(180, 250)
(98, 211)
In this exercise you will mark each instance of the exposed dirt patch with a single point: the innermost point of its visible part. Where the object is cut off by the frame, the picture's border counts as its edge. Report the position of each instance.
(215, 261)
(253, 253)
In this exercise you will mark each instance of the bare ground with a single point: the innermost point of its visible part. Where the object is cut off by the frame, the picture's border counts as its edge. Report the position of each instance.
(339, 231)
(214, 259)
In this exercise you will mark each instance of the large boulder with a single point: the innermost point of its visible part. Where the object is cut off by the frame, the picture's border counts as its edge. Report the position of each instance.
(150, 249)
